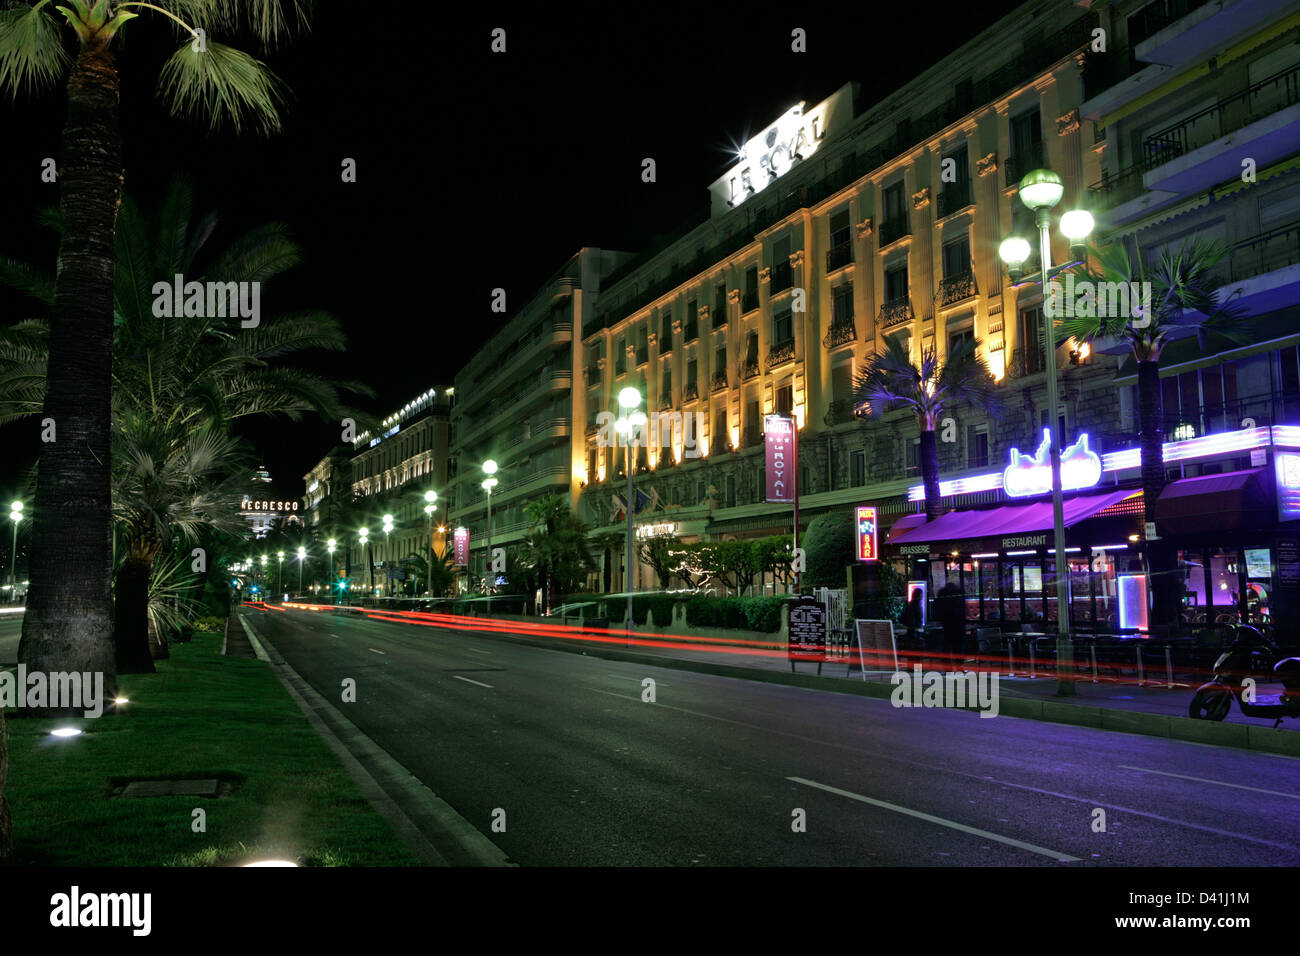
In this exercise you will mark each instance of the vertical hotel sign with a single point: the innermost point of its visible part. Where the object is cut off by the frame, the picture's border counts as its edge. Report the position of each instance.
(868, 533)
(462, 546)
(778, 434)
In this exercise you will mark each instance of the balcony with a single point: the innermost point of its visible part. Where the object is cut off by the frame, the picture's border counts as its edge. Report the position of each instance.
(781, 277)
(953, 199)
(840, 412)
(537, 433)
(749, 369)
(837, 257)
(691, 393)
(955, 288)
(780, 353)
(839, 334)
(891, 230)
(1023, 162)
(896, 312)
(1173, 32)
(748, 303)
(719, 380)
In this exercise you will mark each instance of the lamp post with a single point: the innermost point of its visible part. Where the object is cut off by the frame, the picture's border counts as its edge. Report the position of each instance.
(431, 497)
(15, 515)
(263, 574)
(364, 536)
(388, 555)
(629, 400)
(279, 572)
(302, 553)
(1041, 190)
(331, 544)
(490, 482)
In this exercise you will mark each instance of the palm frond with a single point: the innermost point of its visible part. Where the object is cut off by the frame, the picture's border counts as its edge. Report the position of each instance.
(222, 84)
(27, 279)
(31, 49)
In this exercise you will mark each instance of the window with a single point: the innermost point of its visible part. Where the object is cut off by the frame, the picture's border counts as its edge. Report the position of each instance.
(895, 223)
(956, 257)
(690, 374)
(1026, 145)
(701, 493)
(782, 327)
(720, 437)
(753, 424)
(750, 299)
(1031, 339)
(858, 468)
(977, 446)
(1065, 435)
(892, 198)
(842, 382)
(784, 399)
(841, 247)
(914, 457)
(896, 283)
(666, 331)
(957, 336)
(842, 304)
(731, 491)
(719, 303)
(666, 387)
(720, 359)
(955, 192)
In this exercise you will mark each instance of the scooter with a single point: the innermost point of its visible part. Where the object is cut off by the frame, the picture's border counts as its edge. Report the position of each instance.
(1248, 657)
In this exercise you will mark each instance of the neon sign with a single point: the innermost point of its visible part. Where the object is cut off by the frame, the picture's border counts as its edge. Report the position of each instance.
(1025, 476)
(1287, 467)
(868, 533)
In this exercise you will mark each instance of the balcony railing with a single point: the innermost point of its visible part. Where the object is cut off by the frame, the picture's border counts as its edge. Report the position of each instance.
(839, 256)
(748, 303)
(691, 393)
(1024, 161)
(840, 411)
(781, 278)
(891, 230)
(719, 380)
(1268, 252)
(895, 312)
(952, 199)
(839, 333)
(1261, 99)
(955, 288)
(780, 353)
(749, 369)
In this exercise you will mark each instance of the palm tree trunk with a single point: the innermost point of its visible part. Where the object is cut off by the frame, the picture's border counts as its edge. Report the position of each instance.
(930, 473)
(68, 622)
(6, 823)
(131, 627)
(1160, 557)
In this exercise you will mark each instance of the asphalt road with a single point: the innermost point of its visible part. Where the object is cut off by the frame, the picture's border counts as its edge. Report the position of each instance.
(713, 772)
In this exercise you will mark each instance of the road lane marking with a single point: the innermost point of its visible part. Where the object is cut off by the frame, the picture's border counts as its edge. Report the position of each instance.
(1217, 783)
(474, 650)
(951, 824)
(373, 651)
(468, 681)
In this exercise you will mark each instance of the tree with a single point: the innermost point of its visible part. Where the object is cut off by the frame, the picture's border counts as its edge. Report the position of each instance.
(733, 564)
(830, 546)
(67, 626)
(556, 549)
(1186, 298)
(663, 553)
(443, 574)
(930, 390)
(774, 556)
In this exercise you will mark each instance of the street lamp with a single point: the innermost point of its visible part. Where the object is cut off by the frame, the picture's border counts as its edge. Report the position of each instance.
(364, 535)
(263, 573)
(432, 498)
(388, 557)
(632, 418)
(490, 482)
(279, 572)
(302, 553)
(331, 544)
(15, 515)
(1041, 190)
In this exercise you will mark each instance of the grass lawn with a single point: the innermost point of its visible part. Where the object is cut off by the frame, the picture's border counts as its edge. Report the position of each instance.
(201, 716)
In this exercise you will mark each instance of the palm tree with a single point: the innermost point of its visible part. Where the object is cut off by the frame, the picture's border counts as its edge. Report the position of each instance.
(178, 378)
(930, 390)
(1186, 298)
(556, 548)
(67, 625)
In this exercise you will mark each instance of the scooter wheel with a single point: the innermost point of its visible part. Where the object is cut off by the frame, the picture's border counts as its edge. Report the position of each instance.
(1212, 702)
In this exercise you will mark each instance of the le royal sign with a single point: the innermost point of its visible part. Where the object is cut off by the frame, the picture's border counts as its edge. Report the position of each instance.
(782, 457)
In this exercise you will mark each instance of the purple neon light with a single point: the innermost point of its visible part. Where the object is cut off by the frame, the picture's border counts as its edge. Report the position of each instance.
(1243, 439)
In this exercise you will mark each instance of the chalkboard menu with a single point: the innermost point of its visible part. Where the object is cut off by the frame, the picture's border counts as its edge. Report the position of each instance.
(807, 630)
(875, 647)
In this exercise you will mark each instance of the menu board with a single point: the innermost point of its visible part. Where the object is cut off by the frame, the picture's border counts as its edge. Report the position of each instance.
(807, 631)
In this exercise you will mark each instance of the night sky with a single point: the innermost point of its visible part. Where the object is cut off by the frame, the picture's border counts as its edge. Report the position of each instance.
(475, 170)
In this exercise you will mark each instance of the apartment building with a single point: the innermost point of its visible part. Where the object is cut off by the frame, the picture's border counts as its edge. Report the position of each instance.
(516, 408)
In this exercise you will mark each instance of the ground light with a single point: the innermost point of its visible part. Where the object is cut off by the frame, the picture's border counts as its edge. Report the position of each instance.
(271, 863)
(121, 700)
(65, 732)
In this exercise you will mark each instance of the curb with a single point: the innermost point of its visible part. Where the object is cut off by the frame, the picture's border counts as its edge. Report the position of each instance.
(1187, 729)
(429, 826)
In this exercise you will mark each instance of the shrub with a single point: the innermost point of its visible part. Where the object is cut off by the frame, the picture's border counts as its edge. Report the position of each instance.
(217, 624)
(829, 545)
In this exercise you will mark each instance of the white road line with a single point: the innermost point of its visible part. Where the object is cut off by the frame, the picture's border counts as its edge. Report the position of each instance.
(373, 651)
(474, 650)
(1217, 783)
(468, 681)
(951, 824)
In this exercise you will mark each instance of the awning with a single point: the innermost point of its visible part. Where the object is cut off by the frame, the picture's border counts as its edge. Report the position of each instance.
(903, 525)
(1225, 502)
(1011, 519)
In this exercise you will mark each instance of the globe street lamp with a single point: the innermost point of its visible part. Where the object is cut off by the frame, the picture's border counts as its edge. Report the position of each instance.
(302, 553)
(364, 536)
(331, 544)
(279, 572)
(263, 584)
(1041, 190)
(388, 557)
(15, 515)
(632, 418)
(490, 482)
(431, 497)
